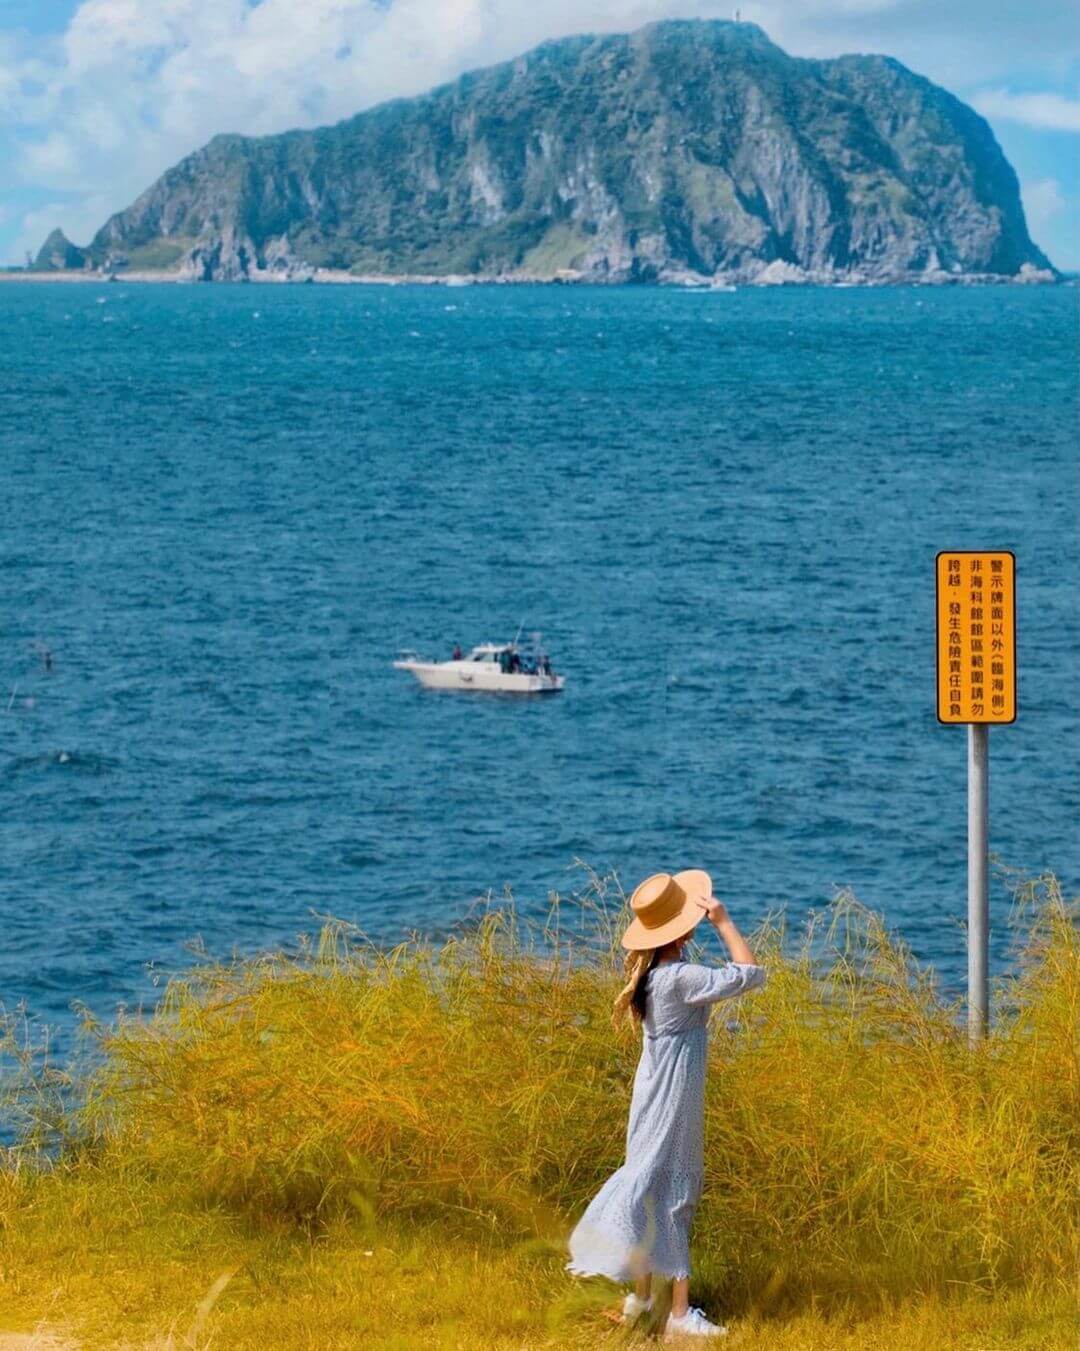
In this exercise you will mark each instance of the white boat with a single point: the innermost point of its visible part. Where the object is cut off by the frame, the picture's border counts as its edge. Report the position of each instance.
(490, 668)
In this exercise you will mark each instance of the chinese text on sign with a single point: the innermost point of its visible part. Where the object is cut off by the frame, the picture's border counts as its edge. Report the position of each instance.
(976, 637)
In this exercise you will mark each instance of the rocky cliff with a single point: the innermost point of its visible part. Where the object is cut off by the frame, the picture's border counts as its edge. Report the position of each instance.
(684, 151)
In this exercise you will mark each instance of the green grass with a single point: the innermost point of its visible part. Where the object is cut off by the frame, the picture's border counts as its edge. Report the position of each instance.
(564, 245)
(158, 255)
(390, 1146)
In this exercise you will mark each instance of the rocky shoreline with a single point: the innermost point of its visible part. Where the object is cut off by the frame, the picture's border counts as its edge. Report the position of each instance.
(774, 274)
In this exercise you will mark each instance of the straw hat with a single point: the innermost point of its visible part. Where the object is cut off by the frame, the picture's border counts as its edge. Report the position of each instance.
(666, 908)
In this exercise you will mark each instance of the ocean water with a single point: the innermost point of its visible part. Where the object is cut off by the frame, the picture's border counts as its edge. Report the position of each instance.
(226, 508)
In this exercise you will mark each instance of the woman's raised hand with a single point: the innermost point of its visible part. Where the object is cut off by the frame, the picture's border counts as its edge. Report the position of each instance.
(725, 926)
(715, 910)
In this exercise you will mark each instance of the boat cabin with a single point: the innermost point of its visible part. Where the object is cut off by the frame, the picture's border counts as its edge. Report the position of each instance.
(511, 659)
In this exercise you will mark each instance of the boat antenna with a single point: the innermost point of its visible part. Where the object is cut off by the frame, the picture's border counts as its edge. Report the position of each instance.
(518, 634)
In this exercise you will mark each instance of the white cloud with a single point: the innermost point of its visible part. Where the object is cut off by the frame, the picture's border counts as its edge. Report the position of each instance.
(1049, 111)
(1042, 202)
(133, 85)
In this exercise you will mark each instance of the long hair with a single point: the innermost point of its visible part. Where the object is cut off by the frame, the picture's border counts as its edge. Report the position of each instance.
(630, 1001)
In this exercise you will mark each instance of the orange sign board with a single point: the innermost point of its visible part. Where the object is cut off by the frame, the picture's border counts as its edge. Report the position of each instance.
(976, 637)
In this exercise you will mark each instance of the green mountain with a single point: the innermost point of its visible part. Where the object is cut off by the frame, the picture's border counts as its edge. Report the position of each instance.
(683, 151)
(59, 254)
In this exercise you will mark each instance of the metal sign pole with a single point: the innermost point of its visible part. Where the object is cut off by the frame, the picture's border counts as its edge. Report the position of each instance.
(976, 685)
(978, 874)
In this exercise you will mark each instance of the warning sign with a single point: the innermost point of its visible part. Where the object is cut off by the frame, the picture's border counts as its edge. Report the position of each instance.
(976, 637)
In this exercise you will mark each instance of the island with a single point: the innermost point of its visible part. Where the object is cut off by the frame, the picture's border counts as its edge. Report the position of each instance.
(689, 152)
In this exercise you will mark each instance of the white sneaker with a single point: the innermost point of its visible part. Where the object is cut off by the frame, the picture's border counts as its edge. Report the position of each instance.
(633, 1307)
(693, 1323)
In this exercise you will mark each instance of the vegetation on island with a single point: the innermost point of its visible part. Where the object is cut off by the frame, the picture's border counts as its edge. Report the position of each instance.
(358, 1146)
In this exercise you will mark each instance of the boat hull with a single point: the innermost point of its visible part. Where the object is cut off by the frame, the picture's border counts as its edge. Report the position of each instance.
(473, 677)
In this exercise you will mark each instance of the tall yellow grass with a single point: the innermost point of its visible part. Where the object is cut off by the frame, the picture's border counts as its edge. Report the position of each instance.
(857, 1151)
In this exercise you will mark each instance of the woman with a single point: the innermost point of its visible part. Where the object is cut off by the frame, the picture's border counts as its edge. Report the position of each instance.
(638, 1225)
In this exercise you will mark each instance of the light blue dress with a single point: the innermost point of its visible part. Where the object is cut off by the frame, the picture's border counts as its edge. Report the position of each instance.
(640, 1219)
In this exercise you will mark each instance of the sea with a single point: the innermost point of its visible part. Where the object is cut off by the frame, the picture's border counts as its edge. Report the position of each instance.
(225, 509)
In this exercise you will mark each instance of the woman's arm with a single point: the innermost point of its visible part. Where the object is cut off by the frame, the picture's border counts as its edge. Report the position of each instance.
(710, 984)
(725, 926)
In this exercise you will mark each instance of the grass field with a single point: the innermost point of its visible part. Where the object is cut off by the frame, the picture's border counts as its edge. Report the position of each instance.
(354, 1146)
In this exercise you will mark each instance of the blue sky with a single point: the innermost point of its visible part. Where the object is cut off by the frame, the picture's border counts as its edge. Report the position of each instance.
(98, 97)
